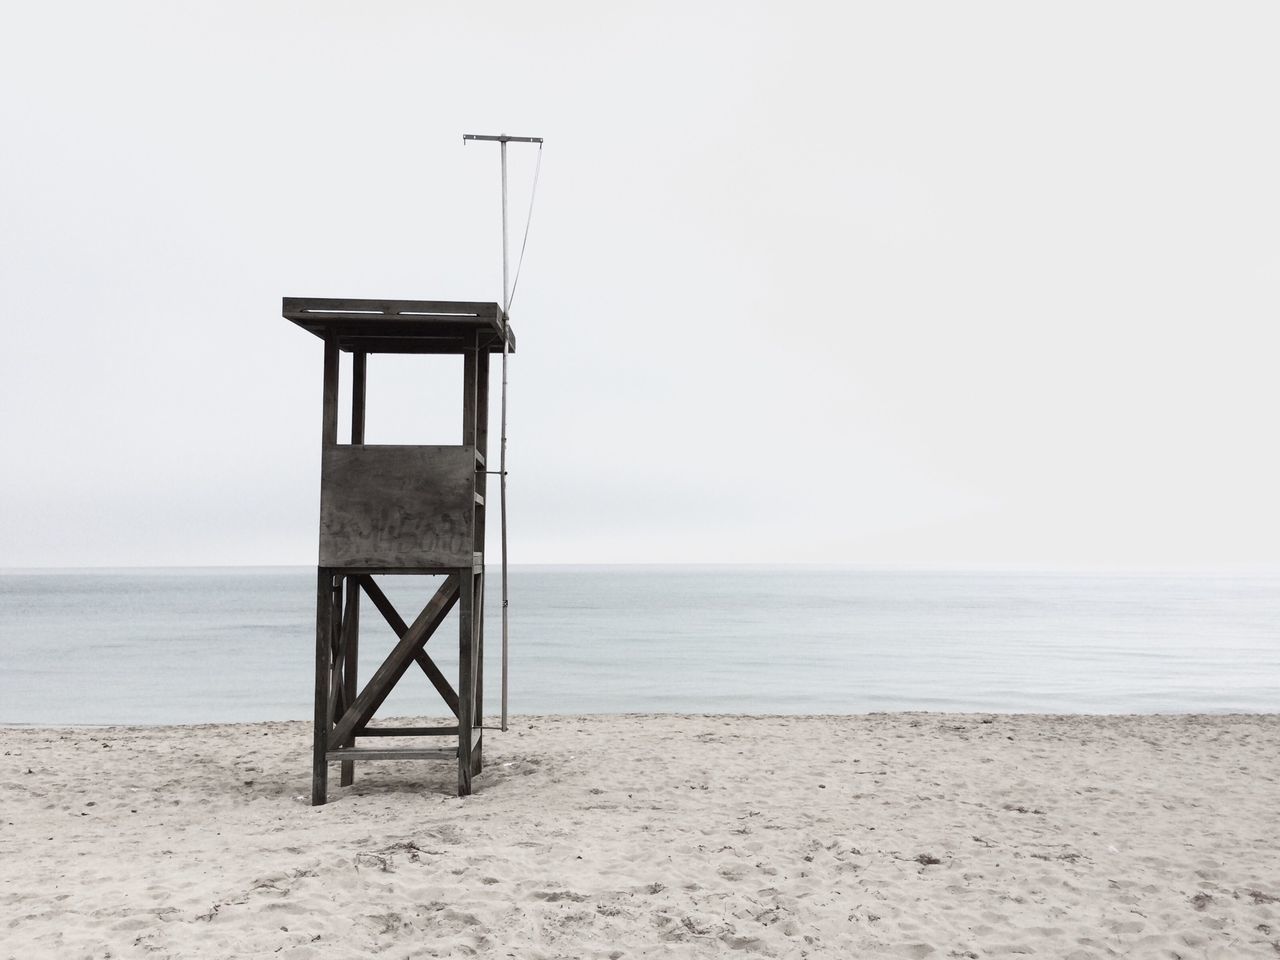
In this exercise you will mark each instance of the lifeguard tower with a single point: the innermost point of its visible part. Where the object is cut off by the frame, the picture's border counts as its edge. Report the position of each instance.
(399, 509)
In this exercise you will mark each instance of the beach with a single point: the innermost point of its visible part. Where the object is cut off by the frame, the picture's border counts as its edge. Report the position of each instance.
(880, 835)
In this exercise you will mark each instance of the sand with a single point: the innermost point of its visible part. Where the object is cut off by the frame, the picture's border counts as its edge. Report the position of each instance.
(904, 835)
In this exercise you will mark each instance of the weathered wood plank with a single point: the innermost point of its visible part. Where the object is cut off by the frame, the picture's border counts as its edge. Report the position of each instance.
(482, 442)
(393, 668)
(397, 506)
(329, 421)
(435, 570)
(438, 680)
(297, 307)
(478, 719)
(439, 341)
(336, 652)
(320, 733)
(389, 612)
(469, 400)
(482, 486)
(466, 678)
(409, 326)
(350, 666)
(359, 391)
(408, 732)
(477, 751)
(396, 622)
(392, 753)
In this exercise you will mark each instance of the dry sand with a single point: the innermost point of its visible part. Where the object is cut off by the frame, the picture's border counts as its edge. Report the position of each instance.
(906, 835)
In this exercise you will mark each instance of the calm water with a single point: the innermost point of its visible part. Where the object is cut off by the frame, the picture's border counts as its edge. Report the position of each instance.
(189, 646)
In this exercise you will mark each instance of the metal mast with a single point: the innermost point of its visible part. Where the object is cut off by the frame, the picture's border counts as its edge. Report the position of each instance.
(503, 140)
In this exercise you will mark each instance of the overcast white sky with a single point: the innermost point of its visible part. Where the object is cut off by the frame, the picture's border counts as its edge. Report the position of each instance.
(893, 283)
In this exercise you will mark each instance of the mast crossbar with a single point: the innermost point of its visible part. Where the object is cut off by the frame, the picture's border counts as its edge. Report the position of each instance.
(500, 138)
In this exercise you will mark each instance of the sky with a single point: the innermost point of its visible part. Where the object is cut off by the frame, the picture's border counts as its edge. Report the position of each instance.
(891, 284)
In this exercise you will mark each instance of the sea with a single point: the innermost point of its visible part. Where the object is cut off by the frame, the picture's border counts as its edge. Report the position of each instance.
(189, 646)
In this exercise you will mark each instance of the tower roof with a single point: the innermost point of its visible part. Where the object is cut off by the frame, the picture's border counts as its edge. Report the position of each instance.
(401, 326)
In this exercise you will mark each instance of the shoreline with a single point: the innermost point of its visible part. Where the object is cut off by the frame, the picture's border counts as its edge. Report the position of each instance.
(631, 835)
(642, 715)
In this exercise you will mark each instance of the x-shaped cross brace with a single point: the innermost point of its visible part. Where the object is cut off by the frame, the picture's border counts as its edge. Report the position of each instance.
(413, 637)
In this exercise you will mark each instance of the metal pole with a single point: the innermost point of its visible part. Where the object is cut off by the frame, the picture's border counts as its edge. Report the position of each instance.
(503, 140)
(502, 453)
(506, 289)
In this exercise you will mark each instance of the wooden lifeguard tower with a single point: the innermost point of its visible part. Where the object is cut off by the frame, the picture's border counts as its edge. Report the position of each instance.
(399, 509)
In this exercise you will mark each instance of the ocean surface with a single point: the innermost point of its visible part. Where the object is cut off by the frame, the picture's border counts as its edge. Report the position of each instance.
(236, 644)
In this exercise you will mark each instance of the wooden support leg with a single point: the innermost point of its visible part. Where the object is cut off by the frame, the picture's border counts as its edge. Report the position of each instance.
(478, 645)
(336, 653)
(466, 677)
(324, 627)
(477, 762)
(351, 629)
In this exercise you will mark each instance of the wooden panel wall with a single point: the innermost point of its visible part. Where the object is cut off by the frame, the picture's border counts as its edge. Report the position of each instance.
(397, 506)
